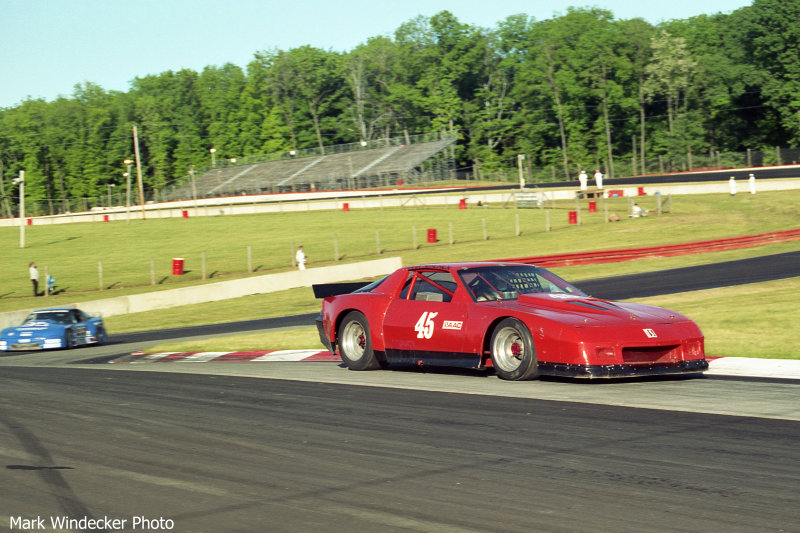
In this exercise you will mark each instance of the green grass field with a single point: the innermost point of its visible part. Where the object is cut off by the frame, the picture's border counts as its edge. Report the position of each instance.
(71, 253)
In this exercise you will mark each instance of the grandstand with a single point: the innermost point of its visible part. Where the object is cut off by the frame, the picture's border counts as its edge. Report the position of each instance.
(381, 163)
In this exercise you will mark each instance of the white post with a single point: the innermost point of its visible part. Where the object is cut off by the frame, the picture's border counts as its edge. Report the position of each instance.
(21, 181)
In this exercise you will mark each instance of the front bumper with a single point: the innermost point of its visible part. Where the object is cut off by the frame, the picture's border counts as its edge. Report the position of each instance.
(621, 371)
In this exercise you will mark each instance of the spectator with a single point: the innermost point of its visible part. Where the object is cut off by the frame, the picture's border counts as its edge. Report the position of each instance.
(583, 178)
(637, 211)
(34, 275)
(598, 178)
(752, 181)
(300, 258)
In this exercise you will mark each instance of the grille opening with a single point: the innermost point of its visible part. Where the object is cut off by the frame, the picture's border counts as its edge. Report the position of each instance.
(651, 354)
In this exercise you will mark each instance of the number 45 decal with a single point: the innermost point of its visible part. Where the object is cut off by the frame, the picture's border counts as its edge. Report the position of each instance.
(424, 326)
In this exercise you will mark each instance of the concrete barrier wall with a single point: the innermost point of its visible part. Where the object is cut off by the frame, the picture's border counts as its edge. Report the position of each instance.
(222, 290)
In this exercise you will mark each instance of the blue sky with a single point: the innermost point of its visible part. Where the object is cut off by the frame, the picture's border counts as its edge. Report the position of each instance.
(48, 46)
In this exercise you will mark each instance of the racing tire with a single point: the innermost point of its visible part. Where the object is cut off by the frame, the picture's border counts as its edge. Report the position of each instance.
(355, 344)
(100, 335)
(69, 339)
(513, 352)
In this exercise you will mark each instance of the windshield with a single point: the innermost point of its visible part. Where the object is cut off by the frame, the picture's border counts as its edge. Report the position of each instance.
(62, 317)
(508, 282)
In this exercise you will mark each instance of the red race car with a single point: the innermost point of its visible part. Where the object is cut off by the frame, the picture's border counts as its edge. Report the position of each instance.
(522, 320)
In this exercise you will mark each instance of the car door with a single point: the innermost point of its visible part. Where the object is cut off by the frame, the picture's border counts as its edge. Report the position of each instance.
(425, 323)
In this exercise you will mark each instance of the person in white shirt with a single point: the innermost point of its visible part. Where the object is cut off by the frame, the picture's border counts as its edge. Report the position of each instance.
(300, 258)
(583, 178)
(598, 179)
(34, 275)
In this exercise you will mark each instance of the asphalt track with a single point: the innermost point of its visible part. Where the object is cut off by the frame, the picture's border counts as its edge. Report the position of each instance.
(693, 278)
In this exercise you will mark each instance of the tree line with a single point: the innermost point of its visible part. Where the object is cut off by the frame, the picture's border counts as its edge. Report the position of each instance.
(575, 91)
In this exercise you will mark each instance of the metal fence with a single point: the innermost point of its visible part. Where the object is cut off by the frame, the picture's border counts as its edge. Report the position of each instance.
(435, 171)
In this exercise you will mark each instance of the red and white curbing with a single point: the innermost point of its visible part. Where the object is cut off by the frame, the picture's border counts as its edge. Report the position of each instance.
(222, 357)
(718, 366)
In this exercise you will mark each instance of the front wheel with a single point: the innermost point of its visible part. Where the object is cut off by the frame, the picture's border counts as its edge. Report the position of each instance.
(69, 339)
(355, 345)
(100, 335)
(513, 351)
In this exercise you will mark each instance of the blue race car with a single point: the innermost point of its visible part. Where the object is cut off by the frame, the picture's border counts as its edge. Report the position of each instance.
(44, 329)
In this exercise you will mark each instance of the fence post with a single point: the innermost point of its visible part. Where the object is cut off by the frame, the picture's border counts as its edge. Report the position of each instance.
(203, 265)
(100, 273)
(450, 227)
(249, 259)
(152, 271)
(516, 221)
(547, 220)
(483, 223)
(414, 236)
(378, 241)
(335, 247)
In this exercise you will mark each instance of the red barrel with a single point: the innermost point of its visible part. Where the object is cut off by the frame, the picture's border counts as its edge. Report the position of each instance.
(432, 235)
(105, 218)
(641, 191)
(573, 217)
(185, 213)
(345, 207)
(30, 222)
(462, 204)
(593, 207)
(177, 266)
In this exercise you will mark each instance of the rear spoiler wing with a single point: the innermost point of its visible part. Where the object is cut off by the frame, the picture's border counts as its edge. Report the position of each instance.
(323, 290)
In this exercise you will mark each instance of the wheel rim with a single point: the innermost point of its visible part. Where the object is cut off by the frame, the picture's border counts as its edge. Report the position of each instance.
(354, 340)
(508, 349)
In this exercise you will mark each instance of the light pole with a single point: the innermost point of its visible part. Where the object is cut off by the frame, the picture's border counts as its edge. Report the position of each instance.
(128, 162)
(21, 181)
(213, 157)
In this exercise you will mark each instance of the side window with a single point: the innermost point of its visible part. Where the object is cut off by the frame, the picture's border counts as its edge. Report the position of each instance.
(406, 286)
(433, 287)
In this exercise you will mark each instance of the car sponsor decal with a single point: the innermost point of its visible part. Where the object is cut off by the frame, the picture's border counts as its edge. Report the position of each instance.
(424, 326)
(452, 324)
(650, 333)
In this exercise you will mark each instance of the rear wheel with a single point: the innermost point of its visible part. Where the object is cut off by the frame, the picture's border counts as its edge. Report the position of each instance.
(355, 345)
(100, 335)
(513, 351)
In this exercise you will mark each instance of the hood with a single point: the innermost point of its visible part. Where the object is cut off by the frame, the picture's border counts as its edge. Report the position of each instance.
(37, 325)
(587, 311)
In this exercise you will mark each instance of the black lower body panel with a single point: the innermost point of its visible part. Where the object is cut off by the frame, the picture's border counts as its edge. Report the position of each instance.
(621, 371)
